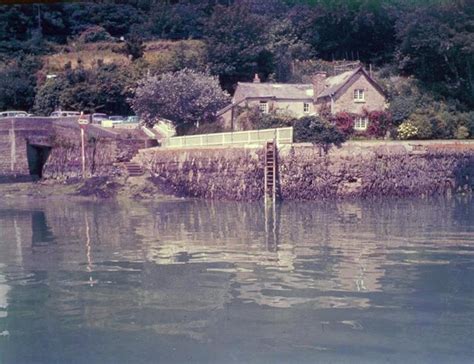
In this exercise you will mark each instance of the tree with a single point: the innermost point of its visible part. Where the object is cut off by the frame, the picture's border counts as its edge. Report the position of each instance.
(285, 47)
(186, 97)
(437, 46)
(318, 131)
(18, 82)
(134, 47)
(105, 89)
(236, 41)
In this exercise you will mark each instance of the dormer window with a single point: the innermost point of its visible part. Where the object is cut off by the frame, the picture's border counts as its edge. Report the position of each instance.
(359, 95)
(263, 107)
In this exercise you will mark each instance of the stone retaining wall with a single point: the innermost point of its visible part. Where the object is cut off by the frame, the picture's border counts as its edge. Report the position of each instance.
(62, 135)
(355, 170)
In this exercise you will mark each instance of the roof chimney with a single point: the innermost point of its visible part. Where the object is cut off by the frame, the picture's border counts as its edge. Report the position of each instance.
(256, 79)
(318, 83)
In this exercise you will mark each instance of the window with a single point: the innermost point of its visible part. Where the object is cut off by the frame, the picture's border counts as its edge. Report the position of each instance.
(359, 95)
(305, 107)
(361, 123)
(263, 107)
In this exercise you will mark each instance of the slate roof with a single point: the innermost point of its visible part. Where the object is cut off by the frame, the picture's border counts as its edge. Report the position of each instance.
(276, 90)
(334, 83)
(295, 91)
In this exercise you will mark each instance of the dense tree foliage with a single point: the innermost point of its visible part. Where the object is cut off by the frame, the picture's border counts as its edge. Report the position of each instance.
(428, 42)
(318, 131)
(236, 43)
(18, 82)
(104, 89)
(186, 97)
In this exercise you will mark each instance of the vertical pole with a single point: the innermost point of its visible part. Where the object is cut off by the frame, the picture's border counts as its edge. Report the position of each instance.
(12, 140)
(265, 174)
(83, 152)
(274, 173)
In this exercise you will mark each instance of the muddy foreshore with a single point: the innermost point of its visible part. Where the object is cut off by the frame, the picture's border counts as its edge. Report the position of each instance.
(94, 188)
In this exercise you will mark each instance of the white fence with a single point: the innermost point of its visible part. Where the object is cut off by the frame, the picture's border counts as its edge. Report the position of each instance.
(280, 135)
(165, 128)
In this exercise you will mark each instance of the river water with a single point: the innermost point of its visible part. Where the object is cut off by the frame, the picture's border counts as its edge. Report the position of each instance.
(222, 282)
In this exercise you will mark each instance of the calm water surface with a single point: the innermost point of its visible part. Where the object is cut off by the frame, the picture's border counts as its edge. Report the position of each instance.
(221, 282)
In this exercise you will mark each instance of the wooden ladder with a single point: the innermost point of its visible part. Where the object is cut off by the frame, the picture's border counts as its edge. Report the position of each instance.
(270, 171)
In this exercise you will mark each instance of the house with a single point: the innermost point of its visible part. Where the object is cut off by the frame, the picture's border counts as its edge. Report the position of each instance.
(353, 91)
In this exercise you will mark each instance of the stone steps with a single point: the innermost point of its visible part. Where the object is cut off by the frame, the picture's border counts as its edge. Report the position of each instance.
(134, 169)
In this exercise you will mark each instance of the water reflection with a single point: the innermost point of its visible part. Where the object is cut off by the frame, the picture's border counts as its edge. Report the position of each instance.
(41, 232)
(310, 274)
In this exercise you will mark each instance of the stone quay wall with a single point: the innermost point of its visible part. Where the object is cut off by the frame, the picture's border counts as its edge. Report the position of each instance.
(104, 149)
(62, 137)
(358, 169)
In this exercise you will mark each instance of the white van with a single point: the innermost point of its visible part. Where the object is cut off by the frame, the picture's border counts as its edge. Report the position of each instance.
(13, 114)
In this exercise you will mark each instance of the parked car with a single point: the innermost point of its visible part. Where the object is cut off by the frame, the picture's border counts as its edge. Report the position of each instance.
(98, 117)
(132, 119)
(62, 114)
(117, 118)
(13, 114)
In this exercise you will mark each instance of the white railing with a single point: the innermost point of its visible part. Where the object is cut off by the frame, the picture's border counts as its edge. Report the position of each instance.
(280, 135)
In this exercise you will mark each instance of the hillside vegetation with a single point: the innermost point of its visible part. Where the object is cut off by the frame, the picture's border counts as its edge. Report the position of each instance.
(91, 56)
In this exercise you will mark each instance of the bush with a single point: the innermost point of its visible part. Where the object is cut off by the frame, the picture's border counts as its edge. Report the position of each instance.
(380, 122)
(444, 124)
(470, 123)
(205, 128)
(134, 47)
(319, 132)
(94, 34)
(462, 132)
(344, 123)
(422, 123)
(407, 130)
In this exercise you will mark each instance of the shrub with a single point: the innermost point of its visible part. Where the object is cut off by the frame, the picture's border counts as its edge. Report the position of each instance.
(94, 34)
(344, 123)
(319, 132)
(251, 118)
(402, 107)
(134, 47)
(470, 123)
(423, 126)
(206, 128)
(462, 132)
(380, 123)
(407, 130)
(444, 124)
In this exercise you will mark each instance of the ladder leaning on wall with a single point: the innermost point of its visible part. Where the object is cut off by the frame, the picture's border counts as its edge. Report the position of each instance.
(270, 171)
